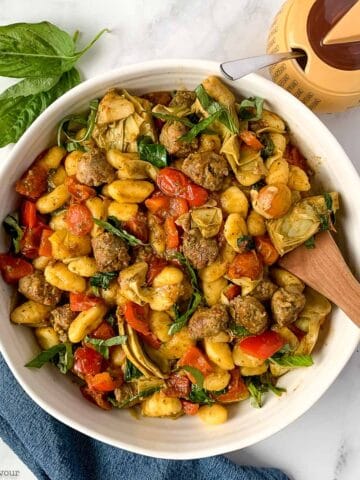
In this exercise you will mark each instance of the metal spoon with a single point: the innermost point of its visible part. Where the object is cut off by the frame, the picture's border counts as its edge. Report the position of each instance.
(235, 69)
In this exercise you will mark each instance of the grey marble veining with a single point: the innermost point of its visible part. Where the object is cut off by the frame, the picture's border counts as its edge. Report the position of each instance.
(324, 444)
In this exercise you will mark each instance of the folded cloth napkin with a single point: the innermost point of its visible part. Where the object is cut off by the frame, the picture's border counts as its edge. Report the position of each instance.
(54, 451)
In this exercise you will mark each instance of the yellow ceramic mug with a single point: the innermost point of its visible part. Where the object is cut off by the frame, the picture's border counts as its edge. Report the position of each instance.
(328, 31)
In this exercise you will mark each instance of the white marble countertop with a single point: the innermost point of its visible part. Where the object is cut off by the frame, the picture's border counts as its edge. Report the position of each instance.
(324, 443)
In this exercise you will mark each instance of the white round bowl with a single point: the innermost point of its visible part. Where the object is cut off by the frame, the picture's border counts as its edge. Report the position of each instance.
(187, 437)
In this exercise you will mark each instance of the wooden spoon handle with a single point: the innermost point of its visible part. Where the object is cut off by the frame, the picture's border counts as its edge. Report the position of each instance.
(325, 270)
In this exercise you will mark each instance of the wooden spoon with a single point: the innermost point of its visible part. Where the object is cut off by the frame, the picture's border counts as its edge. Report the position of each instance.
(324, 269)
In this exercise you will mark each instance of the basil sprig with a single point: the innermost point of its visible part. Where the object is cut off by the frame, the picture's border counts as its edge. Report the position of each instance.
(62, 350)
(213, 107)
(113, 226)
(12, 227)
(138, 396)
(200, 127)
(73, 143)
(194, 302)
(167, 117)
(102, 280)
(131, 372)
(197, 393)
(292, 360)
(151, 152)
(251, 108)
(44, 57)
(102, 346)
(260, 384)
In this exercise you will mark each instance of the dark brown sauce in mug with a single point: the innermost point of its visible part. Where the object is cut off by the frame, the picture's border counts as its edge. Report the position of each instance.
(323, 16)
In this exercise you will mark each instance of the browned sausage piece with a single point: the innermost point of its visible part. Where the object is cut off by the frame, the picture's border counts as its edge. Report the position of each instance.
(208, 321)
(93, 169)
(286, 306)
(264, 290)
(60, 318)
(110, 252)
(170, 138)
(207, 169)
(200, 251)
(248, 312)
(36, 288)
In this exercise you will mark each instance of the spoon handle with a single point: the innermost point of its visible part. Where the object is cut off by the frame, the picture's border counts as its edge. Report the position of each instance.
(236, 69)
(325, 270)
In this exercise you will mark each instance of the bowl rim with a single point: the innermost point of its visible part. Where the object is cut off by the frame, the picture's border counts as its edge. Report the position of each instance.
(114, 76)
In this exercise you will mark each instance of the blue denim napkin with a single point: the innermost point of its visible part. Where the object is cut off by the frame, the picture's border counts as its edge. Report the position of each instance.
(54, 451)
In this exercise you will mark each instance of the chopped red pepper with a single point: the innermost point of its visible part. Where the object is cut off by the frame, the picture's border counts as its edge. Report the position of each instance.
(103, 331)
(171, 234)
(138, 227)
(45, 248)
(102, 382)
(137, 317)
(28, 214)
(262, 346)
(14, 268)
(79, 302)
(194, 357)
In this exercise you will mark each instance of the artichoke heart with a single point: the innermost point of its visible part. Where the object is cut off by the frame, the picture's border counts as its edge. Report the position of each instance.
(134, 345)
(302, 221)
(208, 220)
(121, 119)
(246, 163)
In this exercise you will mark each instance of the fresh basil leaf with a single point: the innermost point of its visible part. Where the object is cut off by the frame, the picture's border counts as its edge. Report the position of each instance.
(255, 395)
(29, 86)
(251, 108)
(12, 227)
(190, 271)
(102, 279)
(324, 222)
(46, 355)
(115, 228)
(151, 152)
(239, 330)
(102, 346)
(72, 146)
(212, 107)
(37, 50)
(278, 391)
(181, 320)
(284, 349)
(199, 395)
(195, 300)
(195, 372)
(269, 147)
(89, 123)
(173, 118)
(200, 127)
(131, 372)
(139, 396)
(66, 359)
(18, 113)
(310, 242)
(246, 242)
(292, 360)
(328, 201)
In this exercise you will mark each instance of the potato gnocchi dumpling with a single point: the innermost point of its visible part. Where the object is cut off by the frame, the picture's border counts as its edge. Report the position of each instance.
(145, 252)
